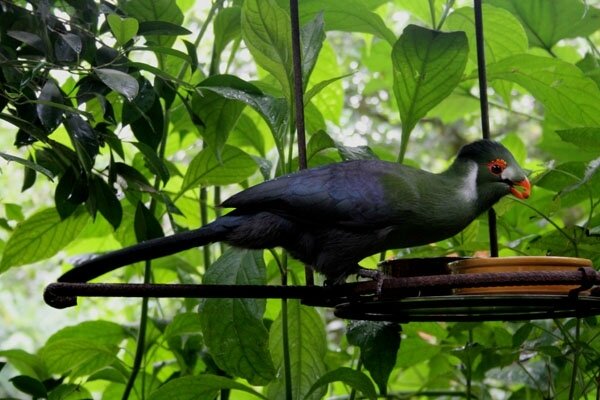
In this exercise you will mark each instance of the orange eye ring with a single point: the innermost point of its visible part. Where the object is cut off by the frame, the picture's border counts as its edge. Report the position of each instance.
(497, 166)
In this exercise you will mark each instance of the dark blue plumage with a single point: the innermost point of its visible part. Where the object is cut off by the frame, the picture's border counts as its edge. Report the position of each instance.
(333, 216)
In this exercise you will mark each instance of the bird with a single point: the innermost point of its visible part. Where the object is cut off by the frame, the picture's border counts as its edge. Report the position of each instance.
(331, 217)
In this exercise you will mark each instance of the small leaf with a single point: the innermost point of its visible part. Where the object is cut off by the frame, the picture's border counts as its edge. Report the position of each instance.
(355, 379)
(149, 125)
(312, 36)
(29, 164)
(104, 199)
(161, 28)
(146, 225)
(124, 29)
(41, 236)
(119, 81)
(84, 140)
(318, 141)
(428, 65)
(200, 387)
(226, 29)
(183, 324)
(28, 38)
(29, 385)
(154, 163)
(26, 363)
(70, 192)
(206, 170)
(233, 329)
(50, 116)
(379, 343)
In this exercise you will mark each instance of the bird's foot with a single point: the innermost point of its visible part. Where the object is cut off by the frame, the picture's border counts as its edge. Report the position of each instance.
(373, 274)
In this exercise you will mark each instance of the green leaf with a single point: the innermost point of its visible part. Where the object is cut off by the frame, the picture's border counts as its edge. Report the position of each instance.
(155, 10)
(547, 22)
(312, 36)
(77, 356)
(161, 28)
(562, 88)
(71, 191)
(183, 324)
(379, 343)
(219, 115)
(104, 199)
(26, 363)
(123, 29)
(307, 348)
(69, 391)
(585, 138)
(50, 116)
(504, 36)
(233, 329)
(29, 164)
(206, 170)
(246, 133)
(226, 29)
(318, 87)
(149, 128)
(267, 33)
(84, 139)
(102, 332)
(29, 385)
(146, 225)
(141, 105)
(119, 81)
(355, 379)
(156, 165)
(428, 65)
(40, 237)
(346, 16)
(201, 387)
(318, 141)
(274, 111)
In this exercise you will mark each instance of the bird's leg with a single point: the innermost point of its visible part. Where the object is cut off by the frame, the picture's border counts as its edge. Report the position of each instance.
(373, 274)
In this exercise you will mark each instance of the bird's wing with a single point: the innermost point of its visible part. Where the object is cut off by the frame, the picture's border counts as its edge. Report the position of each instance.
(357, 193)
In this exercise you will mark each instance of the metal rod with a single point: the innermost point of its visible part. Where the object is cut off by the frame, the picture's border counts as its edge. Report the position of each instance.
(485, 117)
(299, 103)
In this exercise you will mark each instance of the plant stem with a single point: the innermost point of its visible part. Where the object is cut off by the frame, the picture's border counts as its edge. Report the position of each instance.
(432, 13)
(287, 367)
(469, 366)
(575, 345)
(447, 8)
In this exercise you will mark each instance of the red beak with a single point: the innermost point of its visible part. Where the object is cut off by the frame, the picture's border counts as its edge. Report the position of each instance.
(525, 187)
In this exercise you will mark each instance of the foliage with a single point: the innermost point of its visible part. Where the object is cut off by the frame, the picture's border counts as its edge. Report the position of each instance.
(140, 115)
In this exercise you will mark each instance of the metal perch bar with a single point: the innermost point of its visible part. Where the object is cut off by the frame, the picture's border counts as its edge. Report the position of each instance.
(64, 294)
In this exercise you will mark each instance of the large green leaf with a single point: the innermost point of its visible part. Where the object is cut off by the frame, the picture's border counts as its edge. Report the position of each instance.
(504, 36)
(104, 332)
(201, 387)
(233, 329)
(26, 363)
(79, 357)
(312, 36)
(585, 138)
(307, 347)
(428, 65)
(226, 29)
(206, 170)
(41, 236)
(379, 343)
(547, 22)
(267, 33)
(562, 88)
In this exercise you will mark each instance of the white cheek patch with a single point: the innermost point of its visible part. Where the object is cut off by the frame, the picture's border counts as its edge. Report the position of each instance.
(468, 187)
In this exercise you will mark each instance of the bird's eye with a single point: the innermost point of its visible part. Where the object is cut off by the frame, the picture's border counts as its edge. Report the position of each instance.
(497, 166)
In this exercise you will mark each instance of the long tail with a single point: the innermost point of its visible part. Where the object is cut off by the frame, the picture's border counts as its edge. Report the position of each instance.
(148, 250)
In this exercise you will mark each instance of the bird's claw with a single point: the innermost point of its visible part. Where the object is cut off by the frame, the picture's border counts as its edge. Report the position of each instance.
(373, 274)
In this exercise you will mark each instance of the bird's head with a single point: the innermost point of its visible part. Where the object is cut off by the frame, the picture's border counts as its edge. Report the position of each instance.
(497, 171)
